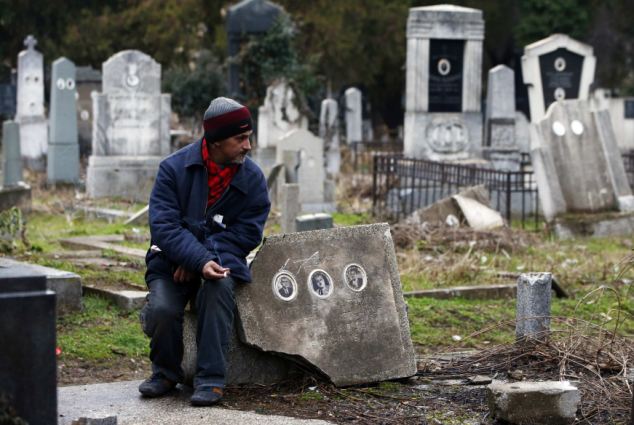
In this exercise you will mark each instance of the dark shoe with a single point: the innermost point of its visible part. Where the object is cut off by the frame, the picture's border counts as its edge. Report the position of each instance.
(206, 395)
(156, 386)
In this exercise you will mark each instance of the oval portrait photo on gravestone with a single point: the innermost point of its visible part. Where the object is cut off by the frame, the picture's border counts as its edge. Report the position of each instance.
(284, 286)
(355, 277)
(320, 283)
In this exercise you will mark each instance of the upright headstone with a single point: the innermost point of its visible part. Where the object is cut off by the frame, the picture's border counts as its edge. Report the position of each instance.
(12, 163)
(533, 306)
(354, 115)
(330, 298)
(443, 120)
(27, 360)
(63, 148)
(329, 132)
(87, 80)
(246, 19)
(499, 130)
(290, 207)
(279, 115)
(30, 111)
(556, 68)
(130, 128)
(8, 92)
(577, 163)
(311, 174)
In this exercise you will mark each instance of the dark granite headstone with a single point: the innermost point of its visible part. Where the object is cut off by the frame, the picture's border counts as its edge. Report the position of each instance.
(561, 75)
(27, 358)
(445, 75)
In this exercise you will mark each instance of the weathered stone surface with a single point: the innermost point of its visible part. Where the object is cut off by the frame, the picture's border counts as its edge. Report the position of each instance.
(279, 115)
(439, 210)
(245, 364)
(577, 163)
(11, 160)
(532, 319)
(477, 215)
(30, 105)
(67, 285)
(106, 420)
(63, 150)
(593, 225)
(534, 403)
(344, 313)
(353, 115)
(329, 132)
(126, 300)
(130, 128)
(16, 196)
(290, 207)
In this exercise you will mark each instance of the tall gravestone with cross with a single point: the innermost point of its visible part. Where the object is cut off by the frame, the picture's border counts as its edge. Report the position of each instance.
(443, 119)
(63, 146)
(30, 105)
(556, 68)
(130, 128)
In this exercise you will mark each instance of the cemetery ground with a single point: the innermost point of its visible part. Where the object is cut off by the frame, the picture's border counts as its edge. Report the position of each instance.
(591, 342)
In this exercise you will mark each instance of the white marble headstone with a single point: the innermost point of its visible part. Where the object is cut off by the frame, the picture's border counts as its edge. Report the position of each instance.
(354, 118)
(329, 132)
(130, 127)
(30, 105)
(279, 114)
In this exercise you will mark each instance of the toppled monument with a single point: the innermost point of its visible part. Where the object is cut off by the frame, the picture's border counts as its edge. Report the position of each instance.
(330, 299)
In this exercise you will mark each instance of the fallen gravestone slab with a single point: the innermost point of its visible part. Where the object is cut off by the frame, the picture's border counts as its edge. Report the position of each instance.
(331, 299)
(67, 285)
(477, 215)
(534, 403)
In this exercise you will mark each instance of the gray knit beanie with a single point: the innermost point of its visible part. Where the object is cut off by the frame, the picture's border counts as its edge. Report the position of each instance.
(225, 118)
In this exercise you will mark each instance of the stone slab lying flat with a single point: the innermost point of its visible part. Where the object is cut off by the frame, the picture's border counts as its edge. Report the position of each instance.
(110, 242)
(124, 299)
(534, 403)
(122, 399)
(476, 292)
(66, 285)
(332, 299)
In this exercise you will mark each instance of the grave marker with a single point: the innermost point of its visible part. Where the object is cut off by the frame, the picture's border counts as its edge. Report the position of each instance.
(130, 128)
(30, 105)
(354, 117)
(329, 132)
(444, 58)
(63, 149)
(12, 162)
(345, 313)
(279, 115)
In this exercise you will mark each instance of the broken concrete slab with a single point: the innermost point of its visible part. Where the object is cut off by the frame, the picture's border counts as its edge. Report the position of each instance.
(332, 299)
(122, 399)
(245, 364)
(67, 285)
(534, 403)
(109, 242)
(440, 210)
(477, 215)
(16, 196)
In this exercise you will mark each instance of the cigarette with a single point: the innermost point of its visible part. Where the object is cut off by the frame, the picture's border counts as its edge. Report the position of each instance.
(225, 274)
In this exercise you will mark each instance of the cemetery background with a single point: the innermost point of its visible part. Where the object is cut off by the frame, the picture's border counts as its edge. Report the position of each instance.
(105, 343)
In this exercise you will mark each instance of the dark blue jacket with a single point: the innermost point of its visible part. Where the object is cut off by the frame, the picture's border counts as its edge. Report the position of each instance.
(187, 233)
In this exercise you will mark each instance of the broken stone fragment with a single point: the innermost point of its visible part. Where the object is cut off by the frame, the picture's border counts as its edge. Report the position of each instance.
(534, 403)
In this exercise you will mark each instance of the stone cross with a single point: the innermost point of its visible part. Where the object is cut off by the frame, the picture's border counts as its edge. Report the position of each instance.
(30, 42)
(63, 148)
(532, 318)
(329, 132)
(354, 120)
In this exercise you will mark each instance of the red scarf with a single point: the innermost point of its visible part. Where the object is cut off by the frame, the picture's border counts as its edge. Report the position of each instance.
(218, 176)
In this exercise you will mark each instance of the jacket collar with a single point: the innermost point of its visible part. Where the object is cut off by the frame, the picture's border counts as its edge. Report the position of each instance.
(194, 157)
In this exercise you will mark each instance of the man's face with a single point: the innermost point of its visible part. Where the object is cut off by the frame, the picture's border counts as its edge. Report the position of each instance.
(320, 281)
(234, 149)
(285, 282)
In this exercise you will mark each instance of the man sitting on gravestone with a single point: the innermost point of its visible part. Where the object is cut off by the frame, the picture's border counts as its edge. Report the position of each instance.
(207, 212)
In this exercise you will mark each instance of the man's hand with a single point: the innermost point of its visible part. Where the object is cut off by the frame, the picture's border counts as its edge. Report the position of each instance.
(213, 271)
(182, 275)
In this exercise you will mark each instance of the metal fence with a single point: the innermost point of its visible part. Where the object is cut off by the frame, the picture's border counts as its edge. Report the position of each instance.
(403, 185)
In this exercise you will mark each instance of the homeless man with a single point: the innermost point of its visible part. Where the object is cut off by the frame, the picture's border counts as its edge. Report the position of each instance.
(207, 212)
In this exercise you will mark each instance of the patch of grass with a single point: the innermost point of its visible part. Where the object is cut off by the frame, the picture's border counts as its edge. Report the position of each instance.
(308, 396)
(351, 219)
(101, 332)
